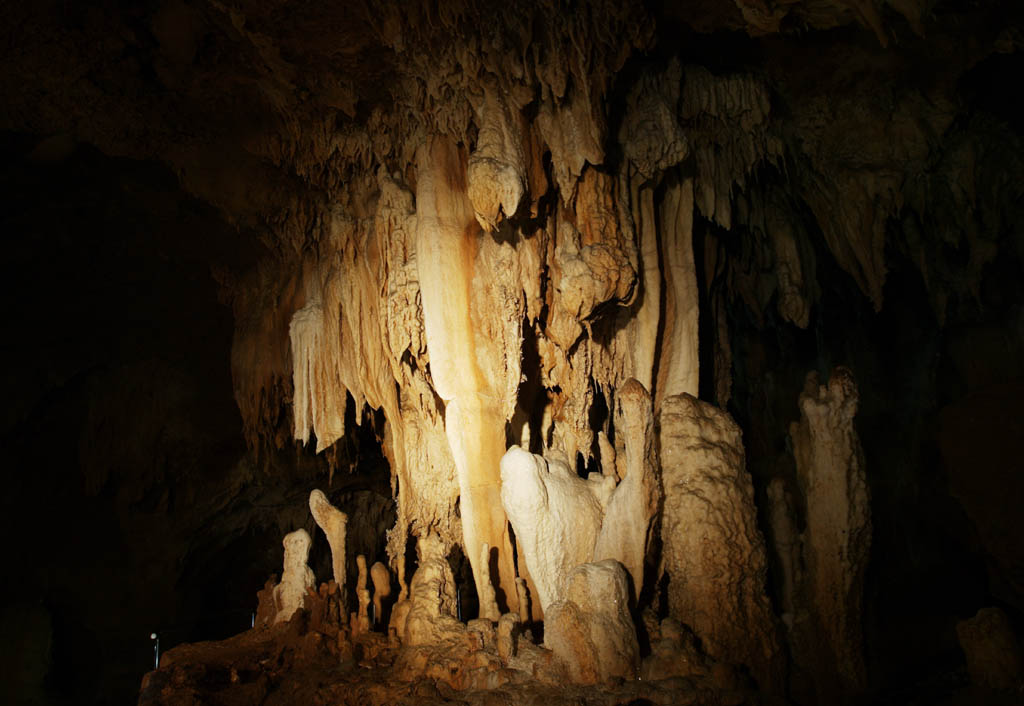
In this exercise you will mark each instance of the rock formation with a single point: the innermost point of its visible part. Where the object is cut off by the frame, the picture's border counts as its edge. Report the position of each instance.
(713, 551)
(994, 656)
(381, 589)
(837, 538)
(589, 628)
(333, 522)
(627, 527)
(430, 615)
(555, 515)
(362, 617)
(297, 578)
(488, 604)
(471, 252)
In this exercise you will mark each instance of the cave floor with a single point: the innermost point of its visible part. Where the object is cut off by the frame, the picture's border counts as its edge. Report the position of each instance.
(282, 666)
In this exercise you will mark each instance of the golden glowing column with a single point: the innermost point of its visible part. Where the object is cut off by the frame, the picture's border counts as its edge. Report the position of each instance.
(447, 236)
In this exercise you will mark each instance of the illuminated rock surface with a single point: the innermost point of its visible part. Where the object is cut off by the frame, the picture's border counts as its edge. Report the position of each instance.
(486, 275)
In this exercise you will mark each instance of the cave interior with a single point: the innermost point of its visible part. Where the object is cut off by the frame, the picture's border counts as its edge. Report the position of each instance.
(658, 352)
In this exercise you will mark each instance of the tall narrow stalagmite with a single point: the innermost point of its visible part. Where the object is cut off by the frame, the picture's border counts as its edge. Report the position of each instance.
(488, 605)
(713, 552)
(381, 589)
(297, 577)
(467, 332)
(837, 538)
(626, 529)
(334, 523)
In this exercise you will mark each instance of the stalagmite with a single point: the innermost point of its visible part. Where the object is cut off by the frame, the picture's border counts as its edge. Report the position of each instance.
(431, 611)
(626, 528)
(524, 601)
(713, 552)
(837, 538)
(488, 605)
(381, 589)
(333, 522)
(787, 545)
(362, 596)
(555, 516)
(994, 657)
(589, 628)
(297, 577)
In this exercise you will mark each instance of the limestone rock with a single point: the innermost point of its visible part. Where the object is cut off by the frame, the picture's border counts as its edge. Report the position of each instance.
(381, 589)
(628, 520)
(363, 596)
(496, 172)
(590, 629)
(334, 523)
(712, 549)
(297, 578)
(555, 516)
(488, 604)
(837, 538)
(432, 608)
(994, 657)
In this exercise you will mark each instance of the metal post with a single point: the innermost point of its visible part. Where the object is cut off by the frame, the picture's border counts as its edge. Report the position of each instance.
(156, 649)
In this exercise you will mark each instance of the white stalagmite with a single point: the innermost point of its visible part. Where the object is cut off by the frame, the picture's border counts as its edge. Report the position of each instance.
(334, 523)
(713, 550)
(555, 515)
(296, 579)
(837, 538)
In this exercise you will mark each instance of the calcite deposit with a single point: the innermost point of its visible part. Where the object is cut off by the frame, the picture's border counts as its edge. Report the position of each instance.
(714, 553)
(334, 523)
(297, 578)
(488, 275)
(589, 628)
(837, 538)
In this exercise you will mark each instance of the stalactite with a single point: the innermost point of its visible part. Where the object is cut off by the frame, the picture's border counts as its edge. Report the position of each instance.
(679, 369)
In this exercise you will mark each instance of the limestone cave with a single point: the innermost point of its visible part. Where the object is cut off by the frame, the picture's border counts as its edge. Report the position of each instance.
(524, 352)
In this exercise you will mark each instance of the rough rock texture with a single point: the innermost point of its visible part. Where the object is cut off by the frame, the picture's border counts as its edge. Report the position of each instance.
(589, 628)
(334, 523)
(430, 616)
(627, 525)
(556, 517)
(994, 656)
(297, 578)
(713, 551)
(837, 537)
